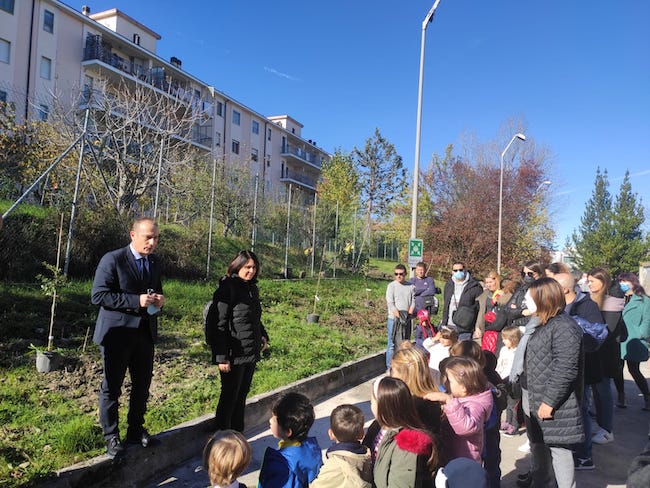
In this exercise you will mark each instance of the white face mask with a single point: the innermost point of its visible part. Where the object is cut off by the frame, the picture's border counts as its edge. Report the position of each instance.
(530, 304)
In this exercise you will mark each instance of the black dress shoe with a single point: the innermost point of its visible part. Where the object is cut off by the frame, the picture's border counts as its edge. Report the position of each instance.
(114, 447)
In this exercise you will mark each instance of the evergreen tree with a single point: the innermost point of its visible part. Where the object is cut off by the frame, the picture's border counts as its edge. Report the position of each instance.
(610, 234)
(593, 239)
(628, 246)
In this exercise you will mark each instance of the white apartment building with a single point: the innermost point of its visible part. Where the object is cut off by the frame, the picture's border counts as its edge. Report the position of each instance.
(47, 47)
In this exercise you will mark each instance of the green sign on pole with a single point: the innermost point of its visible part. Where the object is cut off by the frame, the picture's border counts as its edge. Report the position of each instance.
(416, 247)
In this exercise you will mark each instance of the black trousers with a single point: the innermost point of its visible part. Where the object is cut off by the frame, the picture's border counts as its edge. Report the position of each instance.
(125, 348)
(235, 386)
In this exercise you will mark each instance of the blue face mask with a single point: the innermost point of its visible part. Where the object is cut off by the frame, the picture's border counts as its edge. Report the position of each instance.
(459, 275)
(624, 287)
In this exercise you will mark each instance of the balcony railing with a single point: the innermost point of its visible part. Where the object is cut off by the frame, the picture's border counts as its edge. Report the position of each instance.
(97, 49)
(299, 178)
(307, 156)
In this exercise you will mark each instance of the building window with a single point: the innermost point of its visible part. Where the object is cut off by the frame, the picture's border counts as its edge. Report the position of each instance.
(197, 93)
(236, 117)
(235, 146)
(46, 68)
(220, 109)
(255, 127)
(5, 50)
(48, 22)
(254, 154)
(136, 39)
(217, 138)
(268, 134)
(7, 6)
(43, 112)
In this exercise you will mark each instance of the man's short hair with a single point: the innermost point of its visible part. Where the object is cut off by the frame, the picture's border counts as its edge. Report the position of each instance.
(401, 267)
(346, 422)
(141, 220)
(294, 411)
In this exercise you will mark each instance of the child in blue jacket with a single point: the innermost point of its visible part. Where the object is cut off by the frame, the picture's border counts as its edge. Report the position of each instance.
(297, 460)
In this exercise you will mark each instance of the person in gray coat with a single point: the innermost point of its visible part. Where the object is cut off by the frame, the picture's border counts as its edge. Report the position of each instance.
(553, 377)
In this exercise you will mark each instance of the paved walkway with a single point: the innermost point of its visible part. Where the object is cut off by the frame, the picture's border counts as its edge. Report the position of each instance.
(612, 460)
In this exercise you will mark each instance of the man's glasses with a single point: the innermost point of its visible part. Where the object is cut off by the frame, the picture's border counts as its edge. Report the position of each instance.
(530, 274)
(458, 269)
(399, 274)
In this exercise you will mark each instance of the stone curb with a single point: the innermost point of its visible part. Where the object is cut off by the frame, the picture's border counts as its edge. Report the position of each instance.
(186, 440)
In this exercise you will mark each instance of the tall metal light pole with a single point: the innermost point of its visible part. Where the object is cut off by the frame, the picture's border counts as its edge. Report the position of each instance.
(416, 163)
(522, 137)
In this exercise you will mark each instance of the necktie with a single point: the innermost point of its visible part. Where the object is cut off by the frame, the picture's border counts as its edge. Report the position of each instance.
(144, 272)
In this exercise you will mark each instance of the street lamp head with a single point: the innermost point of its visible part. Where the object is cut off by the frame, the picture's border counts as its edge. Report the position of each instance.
(519, 135)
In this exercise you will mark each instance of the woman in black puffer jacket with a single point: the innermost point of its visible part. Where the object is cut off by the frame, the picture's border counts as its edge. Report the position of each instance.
(236, 335)
(553, 372)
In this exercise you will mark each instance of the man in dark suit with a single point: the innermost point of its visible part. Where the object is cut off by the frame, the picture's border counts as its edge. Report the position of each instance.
(128, 290)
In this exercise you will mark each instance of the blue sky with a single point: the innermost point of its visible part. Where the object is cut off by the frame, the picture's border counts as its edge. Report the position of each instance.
(576, 72)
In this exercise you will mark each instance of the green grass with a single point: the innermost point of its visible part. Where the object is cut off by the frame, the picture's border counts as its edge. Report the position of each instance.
(50, 421)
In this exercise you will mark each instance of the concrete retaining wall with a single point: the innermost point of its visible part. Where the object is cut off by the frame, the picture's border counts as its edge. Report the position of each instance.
(187, 440)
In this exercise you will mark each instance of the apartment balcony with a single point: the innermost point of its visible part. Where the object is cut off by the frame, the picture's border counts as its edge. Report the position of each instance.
(96, 51)
(300, 155)
(299, 179)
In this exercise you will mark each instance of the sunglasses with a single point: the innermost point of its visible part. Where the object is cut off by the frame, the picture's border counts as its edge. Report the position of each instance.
(530, 274)
(399, 274)
(459, 269)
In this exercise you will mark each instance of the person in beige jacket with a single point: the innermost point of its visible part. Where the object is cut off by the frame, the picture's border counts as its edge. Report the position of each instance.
(347, 463)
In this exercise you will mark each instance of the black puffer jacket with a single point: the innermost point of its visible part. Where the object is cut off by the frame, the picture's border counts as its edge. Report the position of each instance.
(554, 371)
(515, 307)
(234, 328)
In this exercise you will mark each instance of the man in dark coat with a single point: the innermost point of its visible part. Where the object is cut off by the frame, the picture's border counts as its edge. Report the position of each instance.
(461, 292)
(580, 305)
(128, 289)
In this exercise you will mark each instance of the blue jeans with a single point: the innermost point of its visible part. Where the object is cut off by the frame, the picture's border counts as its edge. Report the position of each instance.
(390, 349)
(584, 449)
(604, 402)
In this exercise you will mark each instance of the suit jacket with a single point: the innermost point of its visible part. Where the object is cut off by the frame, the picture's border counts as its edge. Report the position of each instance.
(117, 288)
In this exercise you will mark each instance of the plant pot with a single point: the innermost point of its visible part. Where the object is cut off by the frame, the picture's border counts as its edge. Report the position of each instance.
(313, 318)
(45, 361)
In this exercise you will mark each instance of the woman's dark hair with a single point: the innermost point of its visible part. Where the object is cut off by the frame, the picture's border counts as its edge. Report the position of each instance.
(548, 295)
(396, 408)
(535, 267)
(637, 289)
(240, 260)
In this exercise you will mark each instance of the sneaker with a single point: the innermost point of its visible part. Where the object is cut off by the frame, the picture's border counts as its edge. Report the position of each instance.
(602, 437)
(525, 447)
(584, 464)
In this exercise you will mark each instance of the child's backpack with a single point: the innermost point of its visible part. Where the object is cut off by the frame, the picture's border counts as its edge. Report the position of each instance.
(424, 329)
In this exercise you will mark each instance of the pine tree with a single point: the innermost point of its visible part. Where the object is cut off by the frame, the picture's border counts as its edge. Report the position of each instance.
(610, 234)
(628, 246)
(593, 240)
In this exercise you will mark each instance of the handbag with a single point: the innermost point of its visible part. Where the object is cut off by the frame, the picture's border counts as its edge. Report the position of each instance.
(465, 317)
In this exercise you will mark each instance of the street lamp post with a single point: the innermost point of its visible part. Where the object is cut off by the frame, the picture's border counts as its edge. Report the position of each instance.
(416, 165)
(522, 137)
